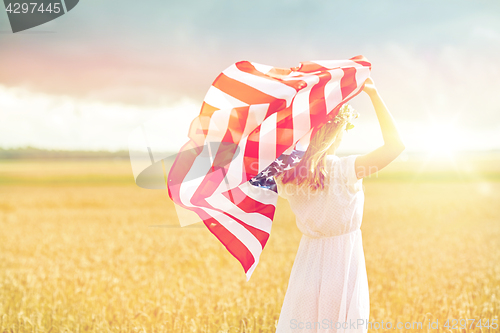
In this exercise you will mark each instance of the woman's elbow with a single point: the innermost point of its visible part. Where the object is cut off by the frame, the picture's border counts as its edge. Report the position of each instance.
(397, 148)
(400, 147)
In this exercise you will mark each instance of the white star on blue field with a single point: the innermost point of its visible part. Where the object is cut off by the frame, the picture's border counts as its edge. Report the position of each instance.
(266, 177)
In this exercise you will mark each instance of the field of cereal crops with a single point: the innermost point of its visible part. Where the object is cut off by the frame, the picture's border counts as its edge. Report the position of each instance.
(83, 249)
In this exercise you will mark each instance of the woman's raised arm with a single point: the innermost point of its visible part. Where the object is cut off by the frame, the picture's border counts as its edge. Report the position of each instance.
(393, 145)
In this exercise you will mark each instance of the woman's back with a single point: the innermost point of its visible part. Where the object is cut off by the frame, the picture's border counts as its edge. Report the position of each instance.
(335, 210)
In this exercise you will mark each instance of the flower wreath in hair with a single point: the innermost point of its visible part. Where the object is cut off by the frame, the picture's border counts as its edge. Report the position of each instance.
(346, 115)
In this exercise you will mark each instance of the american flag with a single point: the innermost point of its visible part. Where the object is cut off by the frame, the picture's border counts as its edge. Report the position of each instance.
(251, 127)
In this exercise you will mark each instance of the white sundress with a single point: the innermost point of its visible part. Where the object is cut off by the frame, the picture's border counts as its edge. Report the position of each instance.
(328, 286)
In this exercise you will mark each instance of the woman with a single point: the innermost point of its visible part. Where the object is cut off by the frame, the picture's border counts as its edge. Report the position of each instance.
(328, 287)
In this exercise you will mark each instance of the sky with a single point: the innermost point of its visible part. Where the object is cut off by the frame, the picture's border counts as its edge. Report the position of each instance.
(88, 79)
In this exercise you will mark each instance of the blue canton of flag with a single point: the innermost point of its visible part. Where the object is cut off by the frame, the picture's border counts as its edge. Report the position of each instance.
(283, 163)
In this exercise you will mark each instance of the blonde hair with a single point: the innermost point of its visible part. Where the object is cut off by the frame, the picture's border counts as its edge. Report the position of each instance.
(311, 170)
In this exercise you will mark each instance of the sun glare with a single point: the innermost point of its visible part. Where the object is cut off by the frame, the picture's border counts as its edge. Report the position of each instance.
(441, 140)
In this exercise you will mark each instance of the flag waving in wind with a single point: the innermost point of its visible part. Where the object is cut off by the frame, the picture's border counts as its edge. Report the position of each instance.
(251, 127)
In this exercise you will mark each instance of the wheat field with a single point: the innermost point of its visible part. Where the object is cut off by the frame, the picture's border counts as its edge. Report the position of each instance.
(83, 249)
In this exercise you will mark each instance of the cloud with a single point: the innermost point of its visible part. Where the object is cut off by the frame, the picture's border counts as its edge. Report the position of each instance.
(63, 122)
